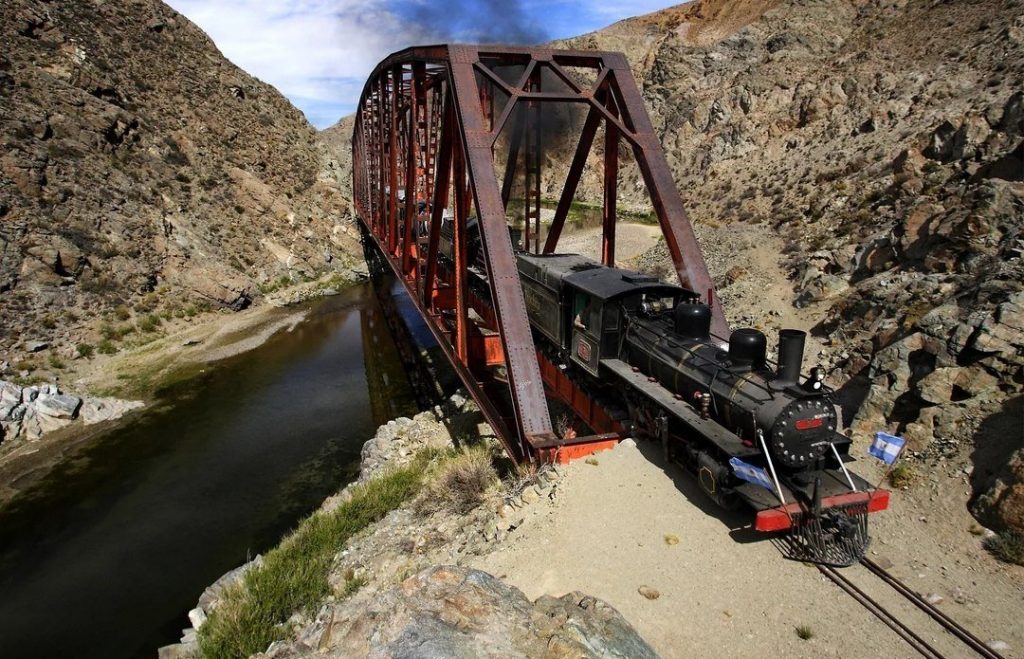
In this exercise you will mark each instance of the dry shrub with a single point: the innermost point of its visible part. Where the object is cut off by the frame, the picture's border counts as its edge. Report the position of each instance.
(1008, 546)
(460, 483)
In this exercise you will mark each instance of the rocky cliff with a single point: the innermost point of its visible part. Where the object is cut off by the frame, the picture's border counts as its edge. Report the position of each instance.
(450, 611)
(142, 174)
(885, 142)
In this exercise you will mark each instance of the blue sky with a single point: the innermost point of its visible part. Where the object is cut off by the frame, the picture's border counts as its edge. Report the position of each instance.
(319, 52)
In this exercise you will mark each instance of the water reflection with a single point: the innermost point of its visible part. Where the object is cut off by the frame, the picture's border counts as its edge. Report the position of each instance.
(103, 557)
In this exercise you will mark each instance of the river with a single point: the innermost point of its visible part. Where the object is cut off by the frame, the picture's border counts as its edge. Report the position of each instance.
(104, 557)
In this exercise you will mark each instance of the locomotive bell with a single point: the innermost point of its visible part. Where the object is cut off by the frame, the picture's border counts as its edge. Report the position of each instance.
(693, 321)
(748, 347)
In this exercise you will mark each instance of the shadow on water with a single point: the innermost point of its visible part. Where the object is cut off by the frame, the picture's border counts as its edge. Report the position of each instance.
(105, 555)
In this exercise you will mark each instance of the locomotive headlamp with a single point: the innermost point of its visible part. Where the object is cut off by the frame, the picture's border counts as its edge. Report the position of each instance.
(817, 378)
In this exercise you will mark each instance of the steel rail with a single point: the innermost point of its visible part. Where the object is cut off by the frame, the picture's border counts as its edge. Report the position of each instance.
(950, 625)
(880, 612)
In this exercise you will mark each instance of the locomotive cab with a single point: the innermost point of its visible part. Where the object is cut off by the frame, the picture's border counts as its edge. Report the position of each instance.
(581, 305)
(589, 321)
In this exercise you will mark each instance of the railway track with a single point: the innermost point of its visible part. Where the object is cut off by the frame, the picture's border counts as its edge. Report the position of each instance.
(893, 622)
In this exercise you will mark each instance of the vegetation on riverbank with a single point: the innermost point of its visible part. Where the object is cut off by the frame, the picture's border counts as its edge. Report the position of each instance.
(460, 483)
(293, 576)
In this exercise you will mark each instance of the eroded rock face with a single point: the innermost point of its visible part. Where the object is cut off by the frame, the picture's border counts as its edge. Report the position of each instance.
(998, 476)
(451, 611)
(140, 168)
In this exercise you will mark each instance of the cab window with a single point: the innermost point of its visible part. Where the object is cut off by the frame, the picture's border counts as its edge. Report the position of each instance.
(585, 312)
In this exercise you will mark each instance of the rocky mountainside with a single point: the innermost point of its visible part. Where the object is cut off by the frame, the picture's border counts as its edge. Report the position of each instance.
(144, 176)
(884, 141)
(337, 142)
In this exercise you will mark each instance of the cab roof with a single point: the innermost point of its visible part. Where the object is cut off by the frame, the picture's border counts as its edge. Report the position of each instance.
(599, 281)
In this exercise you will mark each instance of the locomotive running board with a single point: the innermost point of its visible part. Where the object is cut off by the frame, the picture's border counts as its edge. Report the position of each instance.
(726, 441)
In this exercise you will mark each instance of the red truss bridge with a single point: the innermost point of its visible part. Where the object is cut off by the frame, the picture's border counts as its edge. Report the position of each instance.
(449, 153)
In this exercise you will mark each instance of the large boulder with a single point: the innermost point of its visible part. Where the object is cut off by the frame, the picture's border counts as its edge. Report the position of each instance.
(451, 611)
(30, 412)
(998, 477)
(58, 406)
(1002, 504)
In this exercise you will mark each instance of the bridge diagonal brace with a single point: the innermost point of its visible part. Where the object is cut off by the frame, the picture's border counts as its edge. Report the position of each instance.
(675, 223)
(525, 384)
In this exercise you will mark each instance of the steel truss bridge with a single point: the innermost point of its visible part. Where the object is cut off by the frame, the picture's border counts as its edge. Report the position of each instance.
(451, 139)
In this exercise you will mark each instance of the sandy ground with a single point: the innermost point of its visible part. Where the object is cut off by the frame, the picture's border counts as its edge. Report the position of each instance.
(631, 240)
(187, 343)
(726, 591)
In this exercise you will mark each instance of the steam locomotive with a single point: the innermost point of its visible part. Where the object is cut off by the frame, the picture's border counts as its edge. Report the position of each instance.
(646, 347)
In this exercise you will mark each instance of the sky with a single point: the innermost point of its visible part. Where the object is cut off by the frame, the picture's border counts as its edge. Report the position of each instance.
(318, 53)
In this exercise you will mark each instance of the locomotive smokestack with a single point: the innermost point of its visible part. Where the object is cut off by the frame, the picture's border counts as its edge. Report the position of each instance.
(791, 355)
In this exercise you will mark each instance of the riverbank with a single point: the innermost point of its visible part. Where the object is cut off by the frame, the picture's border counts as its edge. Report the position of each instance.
(637, 533)
(185, 349)
(404, 570)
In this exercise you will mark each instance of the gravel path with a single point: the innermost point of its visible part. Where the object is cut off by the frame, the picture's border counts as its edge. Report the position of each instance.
(631, 240)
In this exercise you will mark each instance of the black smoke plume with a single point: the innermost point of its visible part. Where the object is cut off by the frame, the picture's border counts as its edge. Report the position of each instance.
(471, 21)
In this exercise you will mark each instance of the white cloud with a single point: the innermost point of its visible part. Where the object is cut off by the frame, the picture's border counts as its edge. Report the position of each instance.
(318, 53)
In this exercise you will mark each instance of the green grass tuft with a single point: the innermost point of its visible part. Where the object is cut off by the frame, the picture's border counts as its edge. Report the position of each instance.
(150, 323)
(293, 576)
(804, 632)
(902, 476)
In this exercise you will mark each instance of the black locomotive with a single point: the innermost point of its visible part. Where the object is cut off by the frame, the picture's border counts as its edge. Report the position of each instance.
(646, 347)
(645, 350)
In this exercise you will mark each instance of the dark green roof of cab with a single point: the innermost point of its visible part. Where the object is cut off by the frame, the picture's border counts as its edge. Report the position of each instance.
(592, 278)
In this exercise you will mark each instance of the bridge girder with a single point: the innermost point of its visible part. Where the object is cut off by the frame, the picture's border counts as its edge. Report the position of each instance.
(428, 126)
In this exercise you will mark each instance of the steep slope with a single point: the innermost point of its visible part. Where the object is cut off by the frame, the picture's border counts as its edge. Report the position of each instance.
(337, 142)
(882, 141)
(143, 174)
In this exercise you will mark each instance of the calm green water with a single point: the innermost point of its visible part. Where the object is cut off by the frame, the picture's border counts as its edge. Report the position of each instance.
(107, 554)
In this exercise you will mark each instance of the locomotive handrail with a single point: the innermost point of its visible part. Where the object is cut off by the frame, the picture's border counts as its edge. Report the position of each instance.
(719, 367)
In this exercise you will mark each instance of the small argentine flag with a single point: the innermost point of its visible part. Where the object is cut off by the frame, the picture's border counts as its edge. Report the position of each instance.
(886, 447)
(751, 474)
